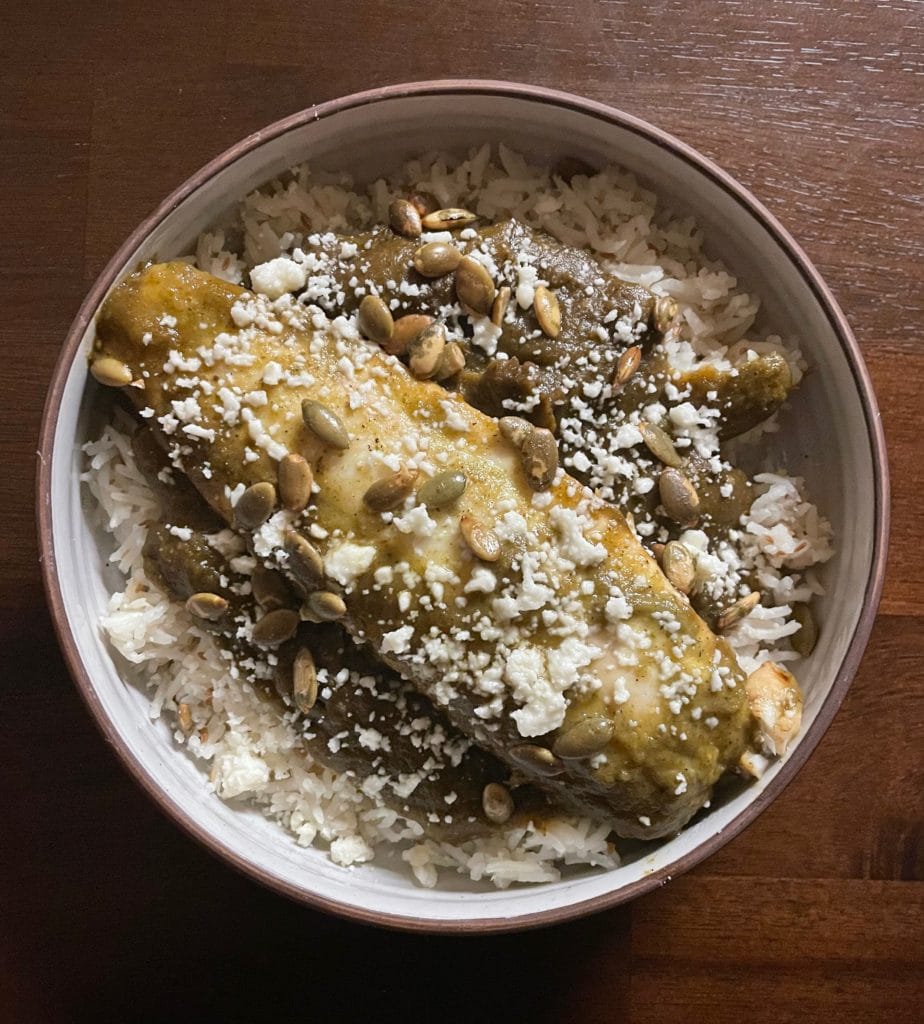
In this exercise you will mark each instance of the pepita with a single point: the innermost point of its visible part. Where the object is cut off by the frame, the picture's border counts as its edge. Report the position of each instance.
(435, 259)
(482, 541)
(404, 218)
(423, 202)
(375, 319)
(295, 480)
(390, 491)
(679, 497)
(269, 588)
(111, 372)
(659, 443)
(515, 429)
(679, 566)
(451, 362)
(325, 424)
(306, 614)
(499, 306)
(207, 606)
(474, 287)
(327, 605)
(406, 330)
(548, 311)
(539, 455)
(804, 641)
(585, 738)
(305, 564)
(425, 350)
(497, 803)
(626, 365)
(442, 489)
(255, 505)
(734, 613)
(449, 219)
(665, 309)
(275, 627)
(304, 681)
(537, 758)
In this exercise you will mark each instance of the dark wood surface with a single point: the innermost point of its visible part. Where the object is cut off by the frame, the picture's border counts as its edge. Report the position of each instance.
(108, 912)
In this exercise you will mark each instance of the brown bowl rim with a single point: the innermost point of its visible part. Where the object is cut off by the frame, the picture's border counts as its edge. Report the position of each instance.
(851, 350)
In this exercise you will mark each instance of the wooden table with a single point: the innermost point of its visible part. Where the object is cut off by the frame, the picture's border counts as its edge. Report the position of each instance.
(110, 913)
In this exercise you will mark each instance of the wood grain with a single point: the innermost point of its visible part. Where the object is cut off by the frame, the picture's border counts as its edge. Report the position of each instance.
(107, 912)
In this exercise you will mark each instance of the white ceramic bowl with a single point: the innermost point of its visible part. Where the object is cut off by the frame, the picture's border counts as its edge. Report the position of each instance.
(833, 438)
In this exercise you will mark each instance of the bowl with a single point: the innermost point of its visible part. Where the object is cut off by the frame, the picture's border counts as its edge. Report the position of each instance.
(835, 439)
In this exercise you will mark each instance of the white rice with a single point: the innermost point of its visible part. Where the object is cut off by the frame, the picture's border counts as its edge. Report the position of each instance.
(250, 751)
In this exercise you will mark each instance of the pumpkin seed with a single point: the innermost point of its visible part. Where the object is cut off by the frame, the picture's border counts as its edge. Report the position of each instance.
(482, 542)
(548, 311)
(375, 319)
(474, 287)
(626, 365)
(304, 681)
(269, 588)
(679, 566)
(436, 259)
(425, 350)
(586, 738)
(325, 424)
(207, 606)
(307, 615)
(539, 455)
(515, 429)
(275, 627)
(657, 549)
(255, 505)
(451, 362)
(111, 372)
(295, 480)
(499, 306)
(406, 330)
(804, 641)
(404, 218)
(390, 491)
(665, 309)
(327, 605)
(184, 717)
(659, 443)
(537, 758)
(423, 202)
(448, 219)
(442, 489)
(679, 497)
(497, 803)
(734, 613)
(305, 564)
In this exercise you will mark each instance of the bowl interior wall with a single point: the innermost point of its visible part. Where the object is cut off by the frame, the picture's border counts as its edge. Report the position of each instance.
(824, 439)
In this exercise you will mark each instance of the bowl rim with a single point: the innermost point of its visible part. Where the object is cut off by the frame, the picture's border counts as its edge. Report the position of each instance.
(822, 294)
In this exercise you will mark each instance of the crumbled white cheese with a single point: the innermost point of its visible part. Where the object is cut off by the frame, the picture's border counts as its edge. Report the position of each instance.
(398, 641)
(278, 276)
(345, 562)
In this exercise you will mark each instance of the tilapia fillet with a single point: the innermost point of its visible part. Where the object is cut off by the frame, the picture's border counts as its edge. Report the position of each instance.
(570, 656)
